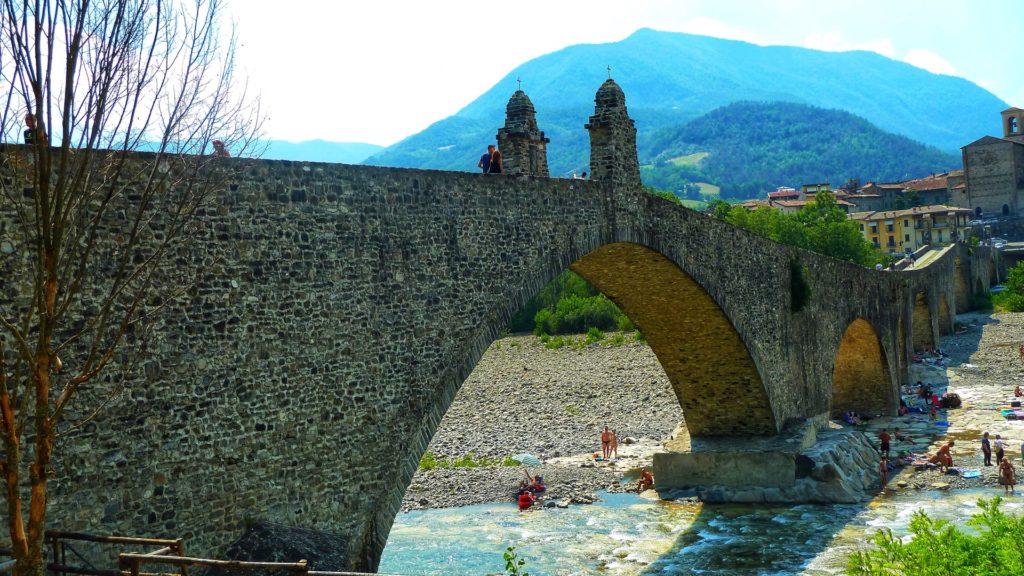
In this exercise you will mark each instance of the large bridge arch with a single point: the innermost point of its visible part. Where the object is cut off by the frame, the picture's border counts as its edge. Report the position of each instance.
(711, 369)
(861, 378)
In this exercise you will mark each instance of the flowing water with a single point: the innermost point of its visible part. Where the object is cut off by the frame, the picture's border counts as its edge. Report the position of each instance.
(625, 534)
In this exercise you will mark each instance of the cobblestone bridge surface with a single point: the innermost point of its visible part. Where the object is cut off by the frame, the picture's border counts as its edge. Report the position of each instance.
(340, 308)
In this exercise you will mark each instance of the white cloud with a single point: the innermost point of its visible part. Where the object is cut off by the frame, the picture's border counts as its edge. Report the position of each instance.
(930, 61)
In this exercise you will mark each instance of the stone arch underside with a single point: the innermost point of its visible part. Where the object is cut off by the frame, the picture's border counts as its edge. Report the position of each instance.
(921, 324)
(860, 377)
(711, 370)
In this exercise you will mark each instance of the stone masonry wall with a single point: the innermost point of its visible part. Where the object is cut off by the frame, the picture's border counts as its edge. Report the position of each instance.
(339, 309)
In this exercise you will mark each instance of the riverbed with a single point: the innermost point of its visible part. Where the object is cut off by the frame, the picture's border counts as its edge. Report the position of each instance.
(568, 394)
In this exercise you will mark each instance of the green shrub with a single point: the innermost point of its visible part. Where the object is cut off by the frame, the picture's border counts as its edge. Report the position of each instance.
(625, 324)
(617, 339)
(1006, 302)
(939, 548)
(429, 461)
(594, 334)
(513, 563)
(554, 343)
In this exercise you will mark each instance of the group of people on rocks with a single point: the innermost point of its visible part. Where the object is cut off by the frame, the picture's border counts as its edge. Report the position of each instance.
(528, 491)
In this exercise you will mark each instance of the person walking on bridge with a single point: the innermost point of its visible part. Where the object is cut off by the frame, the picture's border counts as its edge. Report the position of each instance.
(497, 166)
(485, 161)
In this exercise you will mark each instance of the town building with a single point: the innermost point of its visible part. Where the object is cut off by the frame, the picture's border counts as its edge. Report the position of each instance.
(898, 231)
(993, 174)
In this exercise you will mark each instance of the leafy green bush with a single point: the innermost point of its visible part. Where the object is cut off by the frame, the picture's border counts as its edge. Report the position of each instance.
(939, 548)
(594, 334)
(430, 461)
(1012, 299)
(513, 563)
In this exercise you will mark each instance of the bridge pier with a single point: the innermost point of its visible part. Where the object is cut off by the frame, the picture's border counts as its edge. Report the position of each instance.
(812, 461)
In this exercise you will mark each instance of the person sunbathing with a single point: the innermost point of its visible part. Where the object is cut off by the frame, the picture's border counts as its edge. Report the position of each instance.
(1017, 392)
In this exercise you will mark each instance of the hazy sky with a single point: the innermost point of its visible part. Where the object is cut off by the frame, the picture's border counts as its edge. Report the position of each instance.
(382, 70)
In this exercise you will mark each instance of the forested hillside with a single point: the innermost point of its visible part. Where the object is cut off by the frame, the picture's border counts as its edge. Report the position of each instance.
(749, 148)
(671, 78)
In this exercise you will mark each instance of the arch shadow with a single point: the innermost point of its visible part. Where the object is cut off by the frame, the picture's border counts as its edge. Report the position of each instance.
(921, 324)
(861, 379)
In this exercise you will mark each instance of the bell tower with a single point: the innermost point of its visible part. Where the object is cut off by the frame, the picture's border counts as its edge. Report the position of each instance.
(1013, 124)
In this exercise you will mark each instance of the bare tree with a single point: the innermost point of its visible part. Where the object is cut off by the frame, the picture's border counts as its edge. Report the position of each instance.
(124, 96)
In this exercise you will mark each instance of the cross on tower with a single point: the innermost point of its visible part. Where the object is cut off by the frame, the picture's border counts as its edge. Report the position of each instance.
(609, 72)
(519, 84)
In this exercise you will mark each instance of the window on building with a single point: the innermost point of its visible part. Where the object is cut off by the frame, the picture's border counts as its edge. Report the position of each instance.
(861, 227)
(888, 228)
(874, 228)
(906, 237)
(892, 242)
(906, 223)
(875, 242)
(1012, 125)
(940, 235)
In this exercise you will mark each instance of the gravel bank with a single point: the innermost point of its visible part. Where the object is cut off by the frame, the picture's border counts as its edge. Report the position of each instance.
(523, 397)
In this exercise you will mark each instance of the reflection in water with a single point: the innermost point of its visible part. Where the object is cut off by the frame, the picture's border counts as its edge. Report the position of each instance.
(626, 535)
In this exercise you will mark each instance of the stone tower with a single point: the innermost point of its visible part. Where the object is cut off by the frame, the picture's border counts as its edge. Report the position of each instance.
(612, 138)
(523, 146)
(1013, 124)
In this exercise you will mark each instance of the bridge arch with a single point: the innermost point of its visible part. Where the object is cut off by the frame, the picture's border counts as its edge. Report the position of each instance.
(714, 376)
(921, 324)
(861, 379)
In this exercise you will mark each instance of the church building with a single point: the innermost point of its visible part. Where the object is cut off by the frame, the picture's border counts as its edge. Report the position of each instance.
(994, 171)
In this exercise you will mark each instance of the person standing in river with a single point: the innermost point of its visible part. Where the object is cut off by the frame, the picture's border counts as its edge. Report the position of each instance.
(986, 449)
(1000, 447)
(1007, 475)
(606, 443)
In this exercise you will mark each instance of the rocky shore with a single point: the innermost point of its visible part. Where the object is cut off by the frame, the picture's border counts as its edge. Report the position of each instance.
(523, 397)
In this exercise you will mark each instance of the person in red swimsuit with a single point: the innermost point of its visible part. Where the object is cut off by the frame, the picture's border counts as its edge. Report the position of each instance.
(526, 499)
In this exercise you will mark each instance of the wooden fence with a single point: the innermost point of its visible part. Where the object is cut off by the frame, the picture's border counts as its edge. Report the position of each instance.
(166, 553)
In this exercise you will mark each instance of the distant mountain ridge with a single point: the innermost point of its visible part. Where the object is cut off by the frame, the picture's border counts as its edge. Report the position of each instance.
(320, 151)
(670, 78)
(784, 144)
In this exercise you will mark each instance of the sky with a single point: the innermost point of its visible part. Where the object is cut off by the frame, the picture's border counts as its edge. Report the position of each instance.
(378, 71)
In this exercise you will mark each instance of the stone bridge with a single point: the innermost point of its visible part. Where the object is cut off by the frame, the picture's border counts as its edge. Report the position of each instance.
(342, 307)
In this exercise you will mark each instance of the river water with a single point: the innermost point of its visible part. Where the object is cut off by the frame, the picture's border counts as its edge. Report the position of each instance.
(625, 534)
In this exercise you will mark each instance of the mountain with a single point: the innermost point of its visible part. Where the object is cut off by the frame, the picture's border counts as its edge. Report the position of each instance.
(320, 151)
(781, 143)
(670, 78)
